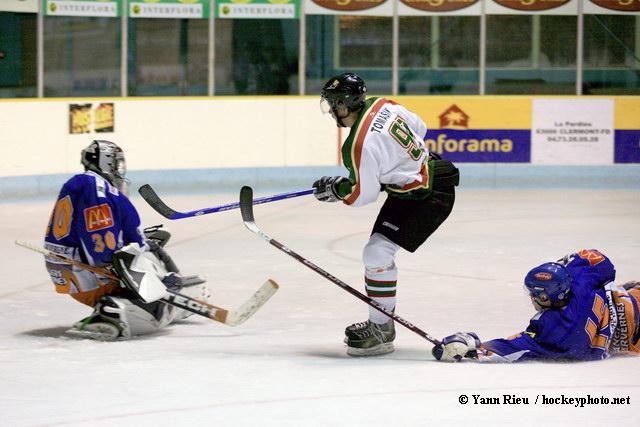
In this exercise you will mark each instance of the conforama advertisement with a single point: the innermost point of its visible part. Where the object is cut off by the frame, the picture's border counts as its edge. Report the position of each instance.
(555, 130)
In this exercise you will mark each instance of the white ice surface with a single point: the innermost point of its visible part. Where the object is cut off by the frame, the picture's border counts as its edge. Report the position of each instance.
(287, 365)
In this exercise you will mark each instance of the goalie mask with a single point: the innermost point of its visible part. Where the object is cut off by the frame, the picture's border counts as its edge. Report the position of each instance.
(107, 160)
(345, 91)
(549, 285)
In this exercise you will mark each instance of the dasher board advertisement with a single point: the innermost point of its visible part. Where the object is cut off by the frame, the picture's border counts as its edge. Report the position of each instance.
(573, 131)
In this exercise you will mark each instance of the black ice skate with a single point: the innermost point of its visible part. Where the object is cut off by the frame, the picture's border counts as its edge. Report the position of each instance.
(370, 339)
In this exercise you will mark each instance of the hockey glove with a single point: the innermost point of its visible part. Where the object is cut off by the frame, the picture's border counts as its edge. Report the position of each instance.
(326, 188)
(157, 234)
(457, 346)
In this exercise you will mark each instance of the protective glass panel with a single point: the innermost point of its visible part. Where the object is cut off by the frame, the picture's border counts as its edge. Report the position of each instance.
(168, 57)
(256, 56)
(81, 56)
(531, 54)
(611, 55)
(358, 44)
(439, 54)
(18, 56)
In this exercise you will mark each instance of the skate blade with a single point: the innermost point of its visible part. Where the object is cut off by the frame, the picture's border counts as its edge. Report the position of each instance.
(372, 351)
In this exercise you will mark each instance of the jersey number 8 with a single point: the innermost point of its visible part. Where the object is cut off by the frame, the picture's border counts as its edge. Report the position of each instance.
(402, 134)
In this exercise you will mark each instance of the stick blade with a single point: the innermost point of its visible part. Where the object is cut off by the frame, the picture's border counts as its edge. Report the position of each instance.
(253, 304)
(246, 204)
(151, 197)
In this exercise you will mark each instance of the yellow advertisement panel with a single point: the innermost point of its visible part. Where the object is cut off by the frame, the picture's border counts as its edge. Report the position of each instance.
(502, 129)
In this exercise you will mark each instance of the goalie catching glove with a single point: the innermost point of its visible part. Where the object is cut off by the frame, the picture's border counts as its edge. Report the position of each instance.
(456, 347)
(326, 188)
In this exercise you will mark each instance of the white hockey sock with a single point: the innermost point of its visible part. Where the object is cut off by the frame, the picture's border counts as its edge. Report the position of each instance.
(377, 317)
(381, 275)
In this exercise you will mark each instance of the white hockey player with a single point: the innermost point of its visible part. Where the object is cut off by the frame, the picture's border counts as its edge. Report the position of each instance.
(94, 222)
(385, 150)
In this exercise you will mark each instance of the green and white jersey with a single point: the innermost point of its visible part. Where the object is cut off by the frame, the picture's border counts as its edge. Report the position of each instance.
(385, 147)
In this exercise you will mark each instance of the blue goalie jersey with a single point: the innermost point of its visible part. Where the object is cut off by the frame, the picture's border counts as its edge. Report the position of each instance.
(90, 221)
(579, 331)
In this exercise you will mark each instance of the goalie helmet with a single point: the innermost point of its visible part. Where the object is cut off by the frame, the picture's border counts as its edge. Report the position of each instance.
(549, 285)
(345, 90)
(107, 160)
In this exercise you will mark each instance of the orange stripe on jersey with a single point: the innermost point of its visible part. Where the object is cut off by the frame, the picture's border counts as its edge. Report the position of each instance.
(90, 298)
(634, 320)
(627, 335)
(423, 182)
(356, 149)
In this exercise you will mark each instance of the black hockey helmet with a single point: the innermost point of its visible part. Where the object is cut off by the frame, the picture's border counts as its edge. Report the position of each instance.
(107, 160)
(347, 90)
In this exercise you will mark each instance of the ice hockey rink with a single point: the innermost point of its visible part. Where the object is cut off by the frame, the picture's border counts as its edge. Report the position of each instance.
(287, 365)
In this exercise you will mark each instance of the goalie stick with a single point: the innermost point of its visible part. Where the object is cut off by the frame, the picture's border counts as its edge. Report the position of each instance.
(204, 309)
(151, 197)
(246, 209)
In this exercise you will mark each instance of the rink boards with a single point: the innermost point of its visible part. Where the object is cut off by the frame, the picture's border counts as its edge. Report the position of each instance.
(222, 141)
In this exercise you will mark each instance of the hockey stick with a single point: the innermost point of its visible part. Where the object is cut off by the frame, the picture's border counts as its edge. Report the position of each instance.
(246, 209)
(204, 309)
(161, 207)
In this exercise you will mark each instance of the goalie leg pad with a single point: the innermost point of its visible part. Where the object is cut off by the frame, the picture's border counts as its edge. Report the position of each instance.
(116, 318)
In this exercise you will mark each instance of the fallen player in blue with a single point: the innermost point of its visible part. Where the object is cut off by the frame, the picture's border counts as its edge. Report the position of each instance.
(581, 315)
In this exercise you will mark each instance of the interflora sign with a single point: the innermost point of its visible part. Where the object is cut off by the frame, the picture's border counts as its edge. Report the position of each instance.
(100, 8)
(265, 9)
(189, 9)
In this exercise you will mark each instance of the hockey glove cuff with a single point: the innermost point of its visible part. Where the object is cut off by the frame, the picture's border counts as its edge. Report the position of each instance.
(457, 346)
(326, 188)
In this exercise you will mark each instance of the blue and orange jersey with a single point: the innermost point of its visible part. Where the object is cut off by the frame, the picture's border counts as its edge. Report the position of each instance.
(625, 303)
(581, 330)
(90, 221)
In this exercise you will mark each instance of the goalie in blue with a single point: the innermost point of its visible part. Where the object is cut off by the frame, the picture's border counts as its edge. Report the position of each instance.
(581, 315)
(94, 222)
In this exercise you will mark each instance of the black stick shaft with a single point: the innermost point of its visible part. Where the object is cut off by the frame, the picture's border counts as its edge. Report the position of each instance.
(354, 292)
(246, 209)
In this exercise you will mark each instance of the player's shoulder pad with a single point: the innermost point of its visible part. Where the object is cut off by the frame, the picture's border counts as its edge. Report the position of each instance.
(78, 183)
(384, 114)
(592, 261)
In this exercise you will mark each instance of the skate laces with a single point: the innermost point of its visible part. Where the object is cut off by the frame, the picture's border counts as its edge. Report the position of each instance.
(368, 329)
(359, 326)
